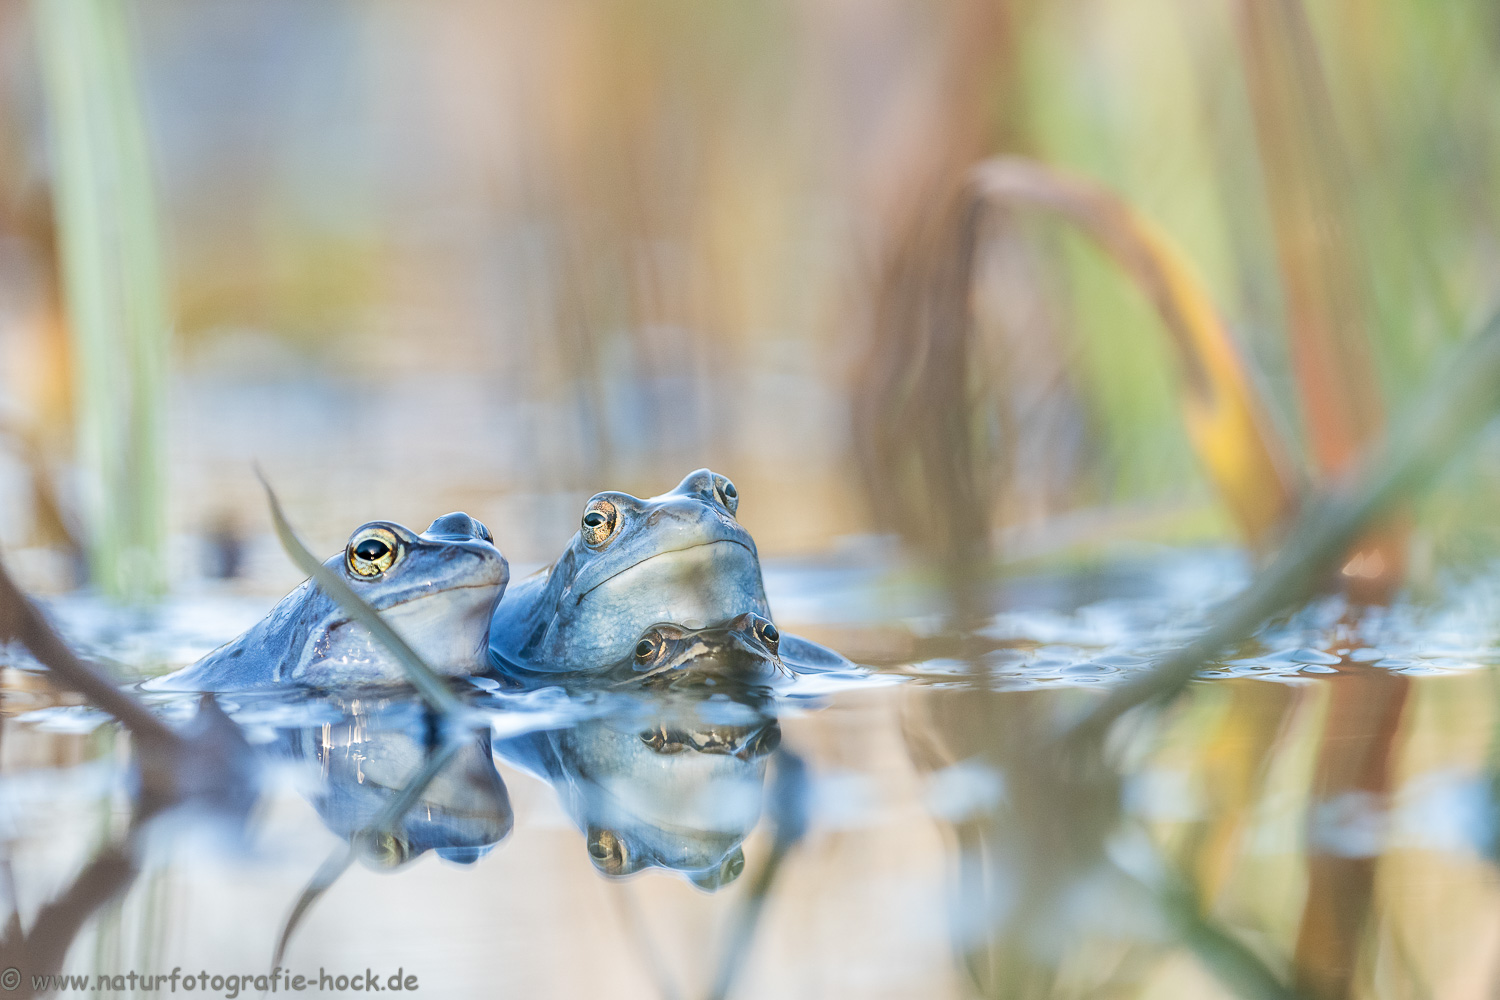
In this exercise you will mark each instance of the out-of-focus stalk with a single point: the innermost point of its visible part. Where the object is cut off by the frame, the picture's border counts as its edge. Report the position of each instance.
(1226, 419)
(929, 469)
(1306, 174)
(1306, 180)
(110, 256)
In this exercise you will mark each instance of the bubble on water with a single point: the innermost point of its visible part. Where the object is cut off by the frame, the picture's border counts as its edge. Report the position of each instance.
(1302, 654)
(943, 667)
(1122, 660)
(1365, 654)
(1058, 656)
(1318, 668)
(1089, 667)
(1242, 668)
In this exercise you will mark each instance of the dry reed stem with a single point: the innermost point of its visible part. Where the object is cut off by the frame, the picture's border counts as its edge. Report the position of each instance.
(209, 763)
(1226, 420)
(1318, 254)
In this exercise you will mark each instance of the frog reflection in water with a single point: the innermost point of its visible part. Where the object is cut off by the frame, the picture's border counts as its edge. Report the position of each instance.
(674, 778)
(366, 761)
(678, 557)
(437, 589)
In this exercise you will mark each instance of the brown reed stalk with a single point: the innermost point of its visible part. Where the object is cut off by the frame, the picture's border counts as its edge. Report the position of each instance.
(1307, 179)
(1226, 419)
(927, 470)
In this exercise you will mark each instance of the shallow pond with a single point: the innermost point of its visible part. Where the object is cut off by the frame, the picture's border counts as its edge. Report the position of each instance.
(1318, 807)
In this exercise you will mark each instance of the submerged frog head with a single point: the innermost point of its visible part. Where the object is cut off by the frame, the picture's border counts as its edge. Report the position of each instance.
(740, 655)
(437, 589)
(679, 557)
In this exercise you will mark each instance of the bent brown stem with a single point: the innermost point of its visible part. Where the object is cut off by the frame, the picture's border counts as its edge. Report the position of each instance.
(209, 762)
(1316, 236)
(1227, 421)
(21, 622)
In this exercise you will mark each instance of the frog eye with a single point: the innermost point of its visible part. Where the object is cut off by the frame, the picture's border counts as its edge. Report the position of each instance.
(769, 633)
(600, 520)
(372, 551)
(608, 853)
(654, 643)
(725, 493)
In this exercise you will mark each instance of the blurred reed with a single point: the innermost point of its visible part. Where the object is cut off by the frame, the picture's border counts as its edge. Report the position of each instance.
(110, 255)
(928, 457)
(1226, 417)
(1319, 252)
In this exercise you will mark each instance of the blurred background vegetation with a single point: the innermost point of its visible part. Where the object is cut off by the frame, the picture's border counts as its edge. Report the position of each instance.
(498, 256)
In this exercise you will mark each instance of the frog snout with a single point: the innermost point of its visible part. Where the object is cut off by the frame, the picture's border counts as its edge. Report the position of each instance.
(458, 525)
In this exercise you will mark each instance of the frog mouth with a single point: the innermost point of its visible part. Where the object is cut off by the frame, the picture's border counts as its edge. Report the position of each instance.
(446, 627)
(421, 594)
(677, 552)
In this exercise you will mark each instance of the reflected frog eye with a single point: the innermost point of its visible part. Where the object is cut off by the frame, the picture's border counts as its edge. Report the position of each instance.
(372, 551)
(608, 853)
(600, 520)
(663, 742)
(726, 493)
(383, 850)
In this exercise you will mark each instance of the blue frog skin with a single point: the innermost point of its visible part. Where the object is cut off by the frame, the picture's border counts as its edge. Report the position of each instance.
(437, 589)
(679, 557)
(674, 783)
(670, 777)
(363, 762)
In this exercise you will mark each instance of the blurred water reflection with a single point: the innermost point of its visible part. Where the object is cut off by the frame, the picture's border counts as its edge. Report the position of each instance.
(1321, 799)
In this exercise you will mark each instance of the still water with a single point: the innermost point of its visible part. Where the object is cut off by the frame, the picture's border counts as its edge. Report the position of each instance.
(1322, 799)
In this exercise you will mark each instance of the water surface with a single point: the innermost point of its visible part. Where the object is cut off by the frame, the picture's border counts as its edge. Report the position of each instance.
(1323, 796)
